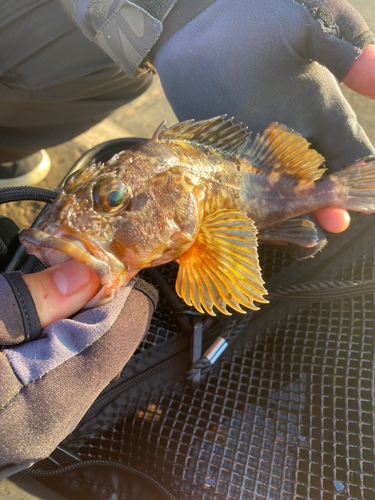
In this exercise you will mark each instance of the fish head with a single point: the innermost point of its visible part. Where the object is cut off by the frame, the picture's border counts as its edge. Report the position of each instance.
(119, 217)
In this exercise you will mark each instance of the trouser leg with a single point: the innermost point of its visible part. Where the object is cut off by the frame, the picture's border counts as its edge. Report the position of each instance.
(54, 83)
(61, 121)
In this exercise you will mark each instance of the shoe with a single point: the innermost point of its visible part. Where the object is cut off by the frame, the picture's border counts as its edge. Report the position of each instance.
(26, 172)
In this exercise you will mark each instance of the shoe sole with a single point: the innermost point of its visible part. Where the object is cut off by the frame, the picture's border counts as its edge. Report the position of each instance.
(33, 177)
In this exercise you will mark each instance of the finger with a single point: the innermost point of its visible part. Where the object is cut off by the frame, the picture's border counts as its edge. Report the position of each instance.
(361, 76)
(334, 220)
(62, 290)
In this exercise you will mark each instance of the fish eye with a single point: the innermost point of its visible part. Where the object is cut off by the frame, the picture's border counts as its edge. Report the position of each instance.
(110, 195)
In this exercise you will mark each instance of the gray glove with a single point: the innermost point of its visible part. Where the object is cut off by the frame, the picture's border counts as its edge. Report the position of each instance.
(47, 384)
(263, 61)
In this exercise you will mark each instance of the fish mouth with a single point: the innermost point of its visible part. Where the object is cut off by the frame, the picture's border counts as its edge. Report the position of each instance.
(58, 248)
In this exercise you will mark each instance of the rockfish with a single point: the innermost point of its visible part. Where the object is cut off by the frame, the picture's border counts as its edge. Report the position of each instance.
(202, 194)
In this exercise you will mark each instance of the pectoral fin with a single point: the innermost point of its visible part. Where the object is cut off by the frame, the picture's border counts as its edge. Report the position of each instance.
(222, 268)
(301, 232)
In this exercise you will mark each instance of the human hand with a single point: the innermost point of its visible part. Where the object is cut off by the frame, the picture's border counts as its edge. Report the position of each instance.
(62, 290)
(51, 381)
(262, 63)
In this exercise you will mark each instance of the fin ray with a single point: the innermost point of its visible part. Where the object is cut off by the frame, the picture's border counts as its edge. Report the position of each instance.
(222, 271)
(358, 186)
(222, 281)
(300, 231)
(277, 150)
(282, 151)
(251, 285)
(214, 133)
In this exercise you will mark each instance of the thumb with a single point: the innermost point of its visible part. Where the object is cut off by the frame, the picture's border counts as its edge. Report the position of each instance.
(361, 76)
(62, 290)
(334, 220)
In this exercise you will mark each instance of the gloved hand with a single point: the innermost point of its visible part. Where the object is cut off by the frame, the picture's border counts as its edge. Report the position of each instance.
(48, 383)
(263, 61)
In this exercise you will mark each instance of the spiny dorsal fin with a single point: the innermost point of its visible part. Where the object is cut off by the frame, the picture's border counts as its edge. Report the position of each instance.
(215, 133)
(222, 267)
(280, 151)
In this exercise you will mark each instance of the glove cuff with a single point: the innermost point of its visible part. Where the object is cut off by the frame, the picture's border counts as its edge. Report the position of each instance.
(148, 290)
(26, 305)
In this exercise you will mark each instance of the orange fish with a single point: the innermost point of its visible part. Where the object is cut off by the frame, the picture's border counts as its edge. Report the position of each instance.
(200, 193)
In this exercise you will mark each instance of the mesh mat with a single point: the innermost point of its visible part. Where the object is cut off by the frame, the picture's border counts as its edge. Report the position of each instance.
(288, 413)
(164, 325)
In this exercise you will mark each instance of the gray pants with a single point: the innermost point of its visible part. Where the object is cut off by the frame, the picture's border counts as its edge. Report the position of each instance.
(54, 83)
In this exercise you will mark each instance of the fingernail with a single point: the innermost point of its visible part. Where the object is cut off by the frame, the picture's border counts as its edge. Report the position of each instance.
(71, 277)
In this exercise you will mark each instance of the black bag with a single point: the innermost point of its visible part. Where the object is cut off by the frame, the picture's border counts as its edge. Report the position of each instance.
(285, 412)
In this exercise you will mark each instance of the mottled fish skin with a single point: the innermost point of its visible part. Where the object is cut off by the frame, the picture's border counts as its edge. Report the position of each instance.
(229, 183)
(153, 211)
(147, 205)
(173, 187)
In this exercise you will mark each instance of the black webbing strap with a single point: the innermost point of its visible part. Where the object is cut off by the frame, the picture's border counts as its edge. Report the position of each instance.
(326, 290)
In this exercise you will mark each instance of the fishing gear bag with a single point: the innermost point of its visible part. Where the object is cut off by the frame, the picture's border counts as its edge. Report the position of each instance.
(275, 404)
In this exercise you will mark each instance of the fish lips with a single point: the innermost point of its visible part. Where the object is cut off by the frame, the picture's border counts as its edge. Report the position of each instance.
(55, 249)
